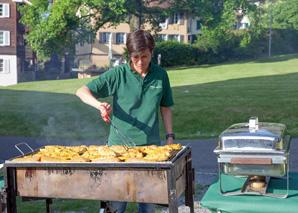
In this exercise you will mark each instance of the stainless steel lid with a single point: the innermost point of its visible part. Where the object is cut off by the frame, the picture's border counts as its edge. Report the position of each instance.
(253, 136)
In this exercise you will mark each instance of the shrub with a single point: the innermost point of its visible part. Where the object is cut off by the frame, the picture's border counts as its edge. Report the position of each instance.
(174, 53)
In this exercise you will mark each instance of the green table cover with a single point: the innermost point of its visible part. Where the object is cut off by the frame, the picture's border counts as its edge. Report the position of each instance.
(216, 202)
(1, 182)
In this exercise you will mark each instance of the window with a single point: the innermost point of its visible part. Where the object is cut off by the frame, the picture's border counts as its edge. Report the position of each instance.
(162, 37)
(4, 66)
(199, 24)
(120, 38)
(179, 38)
(106, 37)
(1, 65)
(4, 10)
(192, 38)
(175, 18)
(82, 43)
(89, 39)
(175, 37)
(4, 38)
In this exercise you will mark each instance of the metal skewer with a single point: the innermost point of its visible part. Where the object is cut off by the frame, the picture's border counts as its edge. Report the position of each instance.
(127, 142)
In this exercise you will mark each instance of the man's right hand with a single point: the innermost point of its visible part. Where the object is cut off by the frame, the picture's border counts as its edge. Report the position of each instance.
(105, 110)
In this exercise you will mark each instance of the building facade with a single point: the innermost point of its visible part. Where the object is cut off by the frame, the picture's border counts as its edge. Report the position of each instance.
(13, 51)
(179, 26)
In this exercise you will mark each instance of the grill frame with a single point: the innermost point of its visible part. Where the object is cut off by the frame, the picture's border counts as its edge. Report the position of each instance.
(177, 174)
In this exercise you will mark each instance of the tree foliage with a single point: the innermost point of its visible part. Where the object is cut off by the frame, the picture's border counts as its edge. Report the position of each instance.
(284, 14)
(55, 28)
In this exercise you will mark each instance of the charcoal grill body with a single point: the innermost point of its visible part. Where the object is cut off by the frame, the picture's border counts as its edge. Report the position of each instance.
(155, 182)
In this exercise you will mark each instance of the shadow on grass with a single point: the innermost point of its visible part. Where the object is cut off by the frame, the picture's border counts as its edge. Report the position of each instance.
(204, 112)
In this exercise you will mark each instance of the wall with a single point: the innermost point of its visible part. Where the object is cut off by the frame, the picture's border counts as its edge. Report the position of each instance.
(97, 53)
(10, 77)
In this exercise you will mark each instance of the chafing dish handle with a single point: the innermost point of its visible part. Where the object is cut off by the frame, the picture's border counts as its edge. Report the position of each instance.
(254, 161)
(16, 146)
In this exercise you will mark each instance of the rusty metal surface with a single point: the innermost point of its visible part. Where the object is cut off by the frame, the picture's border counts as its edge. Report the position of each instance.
(94, 183)
(131, 182)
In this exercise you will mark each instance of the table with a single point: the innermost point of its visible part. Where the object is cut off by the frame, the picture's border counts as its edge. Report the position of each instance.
(1, 182)
(1, 185)
(216, 202)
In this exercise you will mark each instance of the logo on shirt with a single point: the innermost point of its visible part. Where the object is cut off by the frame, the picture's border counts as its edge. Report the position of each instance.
(155, 87)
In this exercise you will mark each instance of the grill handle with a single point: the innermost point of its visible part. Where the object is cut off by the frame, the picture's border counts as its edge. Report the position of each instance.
(254, 161)
(16, 146)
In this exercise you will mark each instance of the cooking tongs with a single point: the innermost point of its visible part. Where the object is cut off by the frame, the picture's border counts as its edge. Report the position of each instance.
(127, 142)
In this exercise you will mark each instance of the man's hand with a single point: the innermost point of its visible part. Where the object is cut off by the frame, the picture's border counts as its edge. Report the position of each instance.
(170, 141)
(105, 109)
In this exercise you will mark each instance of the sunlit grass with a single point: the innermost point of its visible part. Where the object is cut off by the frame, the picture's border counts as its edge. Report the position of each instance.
(208, 99)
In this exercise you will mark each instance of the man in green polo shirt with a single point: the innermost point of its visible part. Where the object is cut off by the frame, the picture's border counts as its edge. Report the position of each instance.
(139, 89)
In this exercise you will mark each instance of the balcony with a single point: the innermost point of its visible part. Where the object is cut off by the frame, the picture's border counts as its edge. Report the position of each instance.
(24, 52)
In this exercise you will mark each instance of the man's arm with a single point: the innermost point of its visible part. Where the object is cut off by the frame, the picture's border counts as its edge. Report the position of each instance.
(166, 114)
(85, 94)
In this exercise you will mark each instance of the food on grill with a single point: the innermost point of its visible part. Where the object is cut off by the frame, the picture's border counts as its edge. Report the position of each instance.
(99, 153)
(78, 149)
(59, 152)
(132, 153)
(134, 160)
(118, 149)
(79, 160)
(51, 159)
(37, 158)
(94, 153)
(175, 146)
(104, 150)
(106, 160)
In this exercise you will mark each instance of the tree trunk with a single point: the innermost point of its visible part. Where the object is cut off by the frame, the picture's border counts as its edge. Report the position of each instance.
(134, 23)
(135, 20)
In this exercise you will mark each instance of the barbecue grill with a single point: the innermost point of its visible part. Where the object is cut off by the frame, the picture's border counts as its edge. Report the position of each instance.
(149, 182)
(259, 151)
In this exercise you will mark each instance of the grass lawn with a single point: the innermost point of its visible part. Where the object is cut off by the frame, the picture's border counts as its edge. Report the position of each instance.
(208, 99)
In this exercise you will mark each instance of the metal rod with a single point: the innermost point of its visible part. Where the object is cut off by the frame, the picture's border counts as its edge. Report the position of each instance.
(270, 30)
(16, 146)
(127, 141)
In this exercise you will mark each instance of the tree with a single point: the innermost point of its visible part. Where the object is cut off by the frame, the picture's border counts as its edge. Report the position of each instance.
(285, 14)
(55, 28)
(217, 40)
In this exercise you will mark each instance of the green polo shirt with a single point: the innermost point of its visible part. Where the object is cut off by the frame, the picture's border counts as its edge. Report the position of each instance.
(136, 101)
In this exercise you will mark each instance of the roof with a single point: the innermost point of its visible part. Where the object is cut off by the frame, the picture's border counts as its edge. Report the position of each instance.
(163, 5)
(23, 1)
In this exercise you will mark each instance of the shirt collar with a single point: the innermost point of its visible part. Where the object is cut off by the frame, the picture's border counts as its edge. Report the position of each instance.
(151, 69)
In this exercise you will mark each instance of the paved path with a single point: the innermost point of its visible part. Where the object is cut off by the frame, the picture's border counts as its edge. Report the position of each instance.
(204, 160)
(203, 157)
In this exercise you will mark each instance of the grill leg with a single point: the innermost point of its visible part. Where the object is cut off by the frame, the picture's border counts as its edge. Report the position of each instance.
(49, 201)
(105, 207)
(8, 193)
(190, 186)
(172, 192)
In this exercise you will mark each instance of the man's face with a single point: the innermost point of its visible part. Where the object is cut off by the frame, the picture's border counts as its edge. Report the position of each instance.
(141, 62)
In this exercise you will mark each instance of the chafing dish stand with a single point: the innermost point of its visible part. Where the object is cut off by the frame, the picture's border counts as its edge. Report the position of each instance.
(254, 150)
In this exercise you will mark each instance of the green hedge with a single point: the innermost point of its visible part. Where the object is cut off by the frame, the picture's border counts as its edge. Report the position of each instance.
(174, 53)
(225, 46)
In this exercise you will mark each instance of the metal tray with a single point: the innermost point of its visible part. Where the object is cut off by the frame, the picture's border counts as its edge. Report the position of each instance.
(260, 136)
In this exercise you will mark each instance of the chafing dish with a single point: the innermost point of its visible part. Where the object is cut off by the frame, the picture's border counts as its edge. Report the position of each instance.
(254, 149)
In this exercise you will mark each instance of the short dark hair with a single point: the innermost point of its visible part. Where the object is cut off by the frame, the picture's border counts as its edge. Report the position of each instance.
(138, 41)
